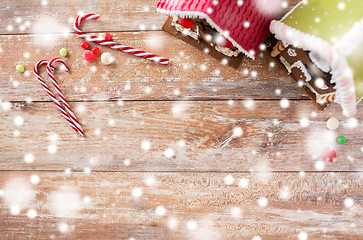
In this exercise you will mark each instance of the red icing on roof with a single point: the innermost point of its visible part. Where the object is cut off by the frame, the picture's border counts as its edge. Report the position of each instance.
(227, 15)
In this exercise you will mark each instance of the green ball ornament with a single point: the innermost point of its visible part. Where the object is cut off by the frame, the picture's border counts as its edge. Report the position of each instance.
(341, 139)
(63, 52)
(20, 68)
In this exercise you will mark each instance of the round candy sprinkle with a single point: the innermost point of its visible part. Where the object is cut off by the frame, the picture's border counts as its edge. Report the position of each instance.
(88, 56)
(186, 23)
(108, 37)
(329, 154)
(96, 51)
(332, 123)
(341, 139)
(106, 58)
(63, 52)
(84, 45)
(20, 68)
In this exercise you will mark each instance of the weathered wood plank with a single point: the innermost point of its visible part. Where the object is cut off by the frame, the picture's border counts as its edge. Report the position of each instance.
(57, 16)
(133, 78)
(272, 138)
(163, 205)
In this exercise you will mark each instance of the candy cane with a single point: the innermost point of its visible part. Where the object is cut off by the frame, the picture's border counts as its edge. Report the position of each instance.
(71, 115)
(45, 87)
(113, 45)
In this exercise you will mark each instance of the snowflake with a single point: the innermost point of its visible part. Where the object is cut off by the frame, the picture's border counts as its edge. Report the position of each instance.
(169, 152)
(237, 132)
(87, 170)
(160, 211)
(304, 122)
(284, 103)
(172, 223)
(352, 123)
(34, 179)
(236, 212)
(284, 4)
(63, 227)
(249, 103)
(6, 106)
(137, 192)
(150, 181)
(31, 213)
(86, 200)
(191, 225)
(28, 158)
(262, 202)
(127, 162)
(26, 55)
(285, 193)
(14, 209)
(319, 165)
(18, 120)
(228, 180)
(341, 6)
(243, 183)
(302, 235)
(349, 202)
(52, 148)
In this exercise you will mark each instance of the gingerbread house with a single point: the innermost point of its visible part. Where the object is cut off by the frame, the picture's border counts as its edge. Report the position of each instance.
(320, 42)
(226, 29)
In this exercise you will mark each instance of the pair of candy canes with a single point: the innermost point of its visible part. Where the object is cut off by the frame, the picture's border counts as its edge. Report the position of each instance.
(66, 112)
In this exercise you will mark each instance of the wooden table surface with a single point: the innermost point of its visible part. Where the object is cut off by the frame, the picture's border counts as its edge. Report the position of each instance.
(192, 150)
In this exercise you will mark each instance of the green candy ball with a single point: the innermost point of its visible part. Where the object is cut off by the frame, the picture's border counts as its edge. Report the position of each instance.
(20, 68)
(341, 140)
(63, 52)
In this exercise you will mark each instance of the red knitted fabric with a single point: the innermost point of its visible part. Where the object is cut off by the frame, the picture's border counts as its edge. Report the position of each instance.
(229, 16)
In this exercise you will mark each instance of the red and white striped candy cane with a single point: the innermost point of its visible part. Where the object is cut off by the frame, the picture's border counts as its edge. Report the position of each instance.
(55, 101)
(72, 116)
(113, 45)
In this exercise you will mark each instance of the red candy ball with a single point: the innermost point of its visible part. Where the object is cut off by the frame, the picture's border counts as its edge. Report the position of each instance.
(186, 23)
(96, 51)
(84, 45)
(329, 154)
(108, 37)
(88, 56)
(227, 43)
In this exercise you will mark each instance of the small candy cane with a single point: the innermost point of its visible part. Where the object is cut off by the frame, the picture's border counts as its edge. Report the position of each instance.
(113, 45)
(71, 115)
(55, 101)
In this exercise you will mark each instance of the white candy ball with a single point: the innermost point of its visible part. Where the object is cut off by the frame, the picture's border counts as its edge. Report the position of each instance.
(332, 123)
(106, 58)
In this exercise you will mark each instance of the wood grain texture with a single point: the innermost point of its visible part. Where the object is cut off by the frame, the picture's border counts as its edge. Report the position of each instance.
(133, 78)
(272, 138)
(57, 16)
(103, 206)
(115, 15)
(106, 186)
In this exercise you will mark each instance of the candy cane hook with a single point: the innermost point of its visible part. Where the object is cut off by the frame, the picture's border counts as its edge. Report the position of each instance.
(50, 94)
(113, 45)
(71, 115)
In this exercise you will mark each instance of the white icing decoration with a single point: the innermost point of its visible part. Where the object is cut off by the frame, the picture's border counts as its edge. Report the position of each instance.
(300, 65)
(288, 67)
(291, 52)
(191, 14)
(188, 32)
